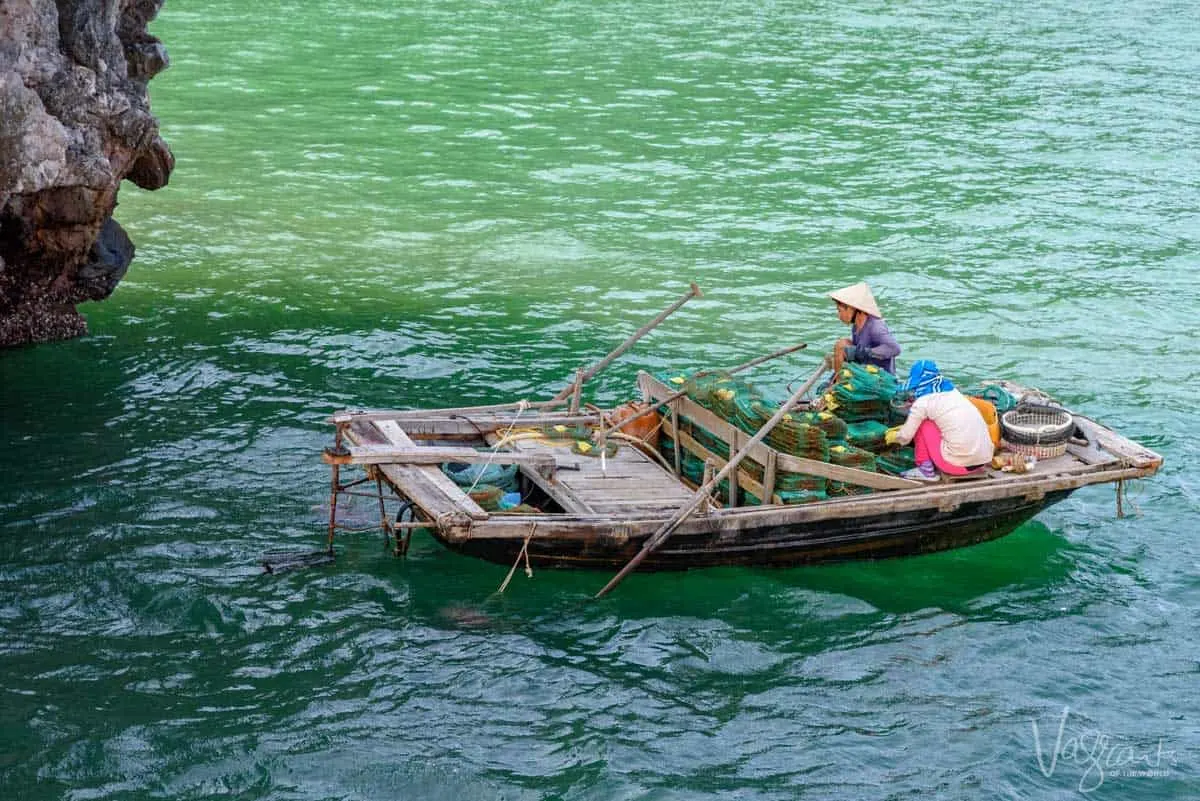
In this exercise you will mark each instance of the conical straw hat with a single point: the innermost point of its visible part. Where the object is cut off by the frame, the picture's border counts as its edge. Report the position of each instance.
(858, 296)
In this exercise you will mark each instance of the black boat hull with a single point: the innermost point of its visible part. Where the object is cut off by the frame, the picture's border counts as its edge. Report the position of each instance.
(861, 538)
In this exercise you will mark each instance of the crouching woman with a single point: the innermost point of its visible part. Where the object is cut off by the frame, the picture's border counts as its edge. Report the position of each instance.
(948, 433)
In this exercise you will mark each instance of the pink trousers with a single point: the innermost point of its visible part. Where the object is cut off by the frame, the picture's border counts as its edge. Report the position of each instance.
(928, 447)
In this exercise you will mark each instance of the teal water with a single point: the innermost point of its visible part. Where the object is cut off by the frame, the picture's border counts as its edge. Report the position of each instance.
(400, 205)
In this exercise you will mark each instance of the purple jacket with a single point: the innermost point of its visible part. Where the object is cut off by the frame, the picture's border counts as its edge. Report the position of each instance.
(874, 344)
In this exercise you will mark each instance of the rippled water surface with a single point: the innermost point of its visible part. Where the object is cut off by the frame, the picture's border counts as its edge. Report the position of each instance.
(399, 205)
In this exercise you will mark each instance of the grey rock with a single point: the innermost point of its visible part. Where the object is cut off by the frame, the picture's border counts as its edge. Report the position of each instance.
(75, 122)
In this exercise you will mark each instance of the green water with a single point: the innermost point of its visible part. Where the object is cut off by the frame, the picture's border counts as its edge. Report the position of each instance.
(399, 205)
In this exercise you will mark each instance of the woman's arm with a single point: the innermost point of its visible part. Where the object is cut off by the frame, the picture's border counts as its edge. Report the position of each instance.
(876, 342)
(916, 415)
(881, 344)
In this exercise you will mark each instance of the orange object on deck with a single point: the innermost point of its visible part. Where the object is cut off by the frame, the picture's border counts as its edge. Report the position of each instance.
(644, 428)
(988, 410)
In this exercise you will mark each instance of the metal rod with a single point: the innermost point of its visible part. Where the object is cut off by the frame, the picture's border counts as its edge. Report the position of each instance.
(383, 518)
(334, 491)
(693, 292)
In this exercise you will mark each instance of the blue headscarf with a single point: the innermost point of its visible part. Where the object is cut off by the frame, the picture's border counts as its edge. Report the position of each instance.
(924, 378)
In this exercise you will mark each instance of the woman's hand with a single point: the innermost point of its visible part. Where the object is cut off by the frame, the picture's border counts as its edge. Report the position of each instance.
(839, 353)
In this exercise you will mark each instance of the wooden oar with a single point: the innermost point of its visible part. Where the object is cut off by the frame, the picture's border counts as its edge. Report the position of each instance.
(693, 292)
(668, 528)
(731, 371)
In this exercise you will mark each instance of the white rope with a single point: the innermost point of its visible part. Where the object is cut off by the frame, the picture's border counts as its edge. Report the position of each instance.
(522, 406)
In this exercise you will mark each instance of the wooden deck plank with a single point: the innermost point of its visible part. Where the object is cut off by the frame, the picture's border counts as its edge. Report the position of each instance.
(553, 486)
(432, 501)
(1122, 448)
(429, 478)
(424, 455)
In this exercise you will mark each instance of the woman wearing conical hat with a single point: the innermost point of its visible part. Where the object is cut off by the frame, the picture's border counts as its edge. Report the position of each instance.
(871, 341)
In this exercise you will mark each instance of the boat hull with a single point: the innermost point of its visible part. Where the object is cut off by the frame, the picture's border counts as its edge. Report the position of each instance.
(879, 536)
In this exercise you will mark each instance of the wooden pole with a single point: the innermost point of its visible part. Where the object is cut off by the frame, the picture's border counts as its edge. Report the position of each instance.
(815, 377)
(759, 360)
(659, 537)
(731, 371)
(576, 390)
(693, 292)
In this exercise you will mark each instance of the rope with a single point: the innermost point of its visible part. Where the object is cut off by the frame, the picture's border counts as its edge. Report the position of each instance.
(1123, 497)
(522, 407)
(523, 552)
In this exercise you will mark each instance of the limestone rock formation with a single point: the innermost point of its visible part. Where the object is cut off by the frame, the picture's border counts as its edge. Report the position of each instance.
(74, 122)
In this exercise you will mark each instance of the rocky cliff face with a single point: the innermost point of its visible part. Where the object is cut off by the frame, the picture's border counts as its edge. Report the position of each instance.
(74, 122)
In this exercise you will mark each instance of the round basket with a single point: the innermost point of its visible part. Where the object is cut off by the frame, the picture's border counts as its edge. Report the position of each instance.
(1041, 431)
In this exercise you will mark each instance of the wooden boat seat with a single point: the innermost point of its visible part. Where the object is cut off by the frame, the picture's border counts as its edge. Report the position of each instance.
(974, 475)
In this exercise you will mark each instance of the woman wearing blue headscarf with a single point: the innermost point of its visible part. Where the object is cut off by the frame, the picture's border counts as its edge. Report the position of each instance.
(947, 431)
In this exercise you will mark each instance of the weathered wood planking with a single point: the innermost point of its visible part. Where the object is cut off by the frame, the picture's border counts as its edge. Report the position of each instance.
(426, 455)
(944, 497)
(430, 423)
(433, 502)
(609, 485)
(427, 482)
(352, 415)
(1124, 449)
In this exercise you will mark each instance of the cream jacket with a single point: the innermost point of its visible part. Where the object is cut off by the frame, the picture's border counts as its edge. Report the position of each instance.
(965, 438)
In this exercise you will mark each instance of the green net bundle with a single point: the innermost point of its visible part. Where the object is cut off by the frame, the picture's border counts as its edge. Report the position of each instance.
(575, 432)
(789, 497)
(833, 426)
(799, 482)
(862, 392)
(705, 437)
(799, 439)
(691, 466)
(784, 481)
(868, 434)
(750, 413)
(896, 460)
(846, 433)
(846, 455)
(716, 391)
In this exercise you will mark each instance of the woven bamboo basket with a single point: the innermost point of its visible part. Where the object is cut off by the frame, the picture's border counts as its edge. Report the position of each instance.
(1040, 431)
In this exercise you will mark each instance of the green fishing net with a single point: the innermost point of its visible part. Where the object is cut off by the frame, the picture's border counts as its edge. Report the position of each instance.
(895, 461)
(999, 397)
(861, 392)
(845, 433)
(867, 434)
(847, 455)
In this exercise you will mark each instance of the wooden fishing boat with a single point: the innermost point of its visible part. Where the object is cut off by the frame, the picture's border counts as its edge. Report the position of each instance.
(602, 512)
